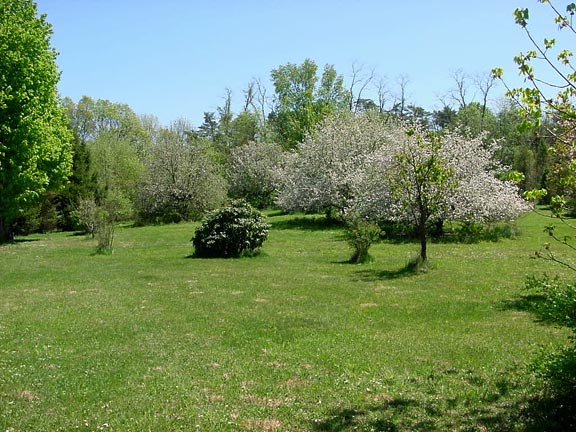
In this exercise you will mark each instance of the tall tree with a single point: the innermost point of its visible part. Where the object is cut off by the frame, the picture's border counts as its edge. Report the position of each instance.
(35, 143)
(302, 100)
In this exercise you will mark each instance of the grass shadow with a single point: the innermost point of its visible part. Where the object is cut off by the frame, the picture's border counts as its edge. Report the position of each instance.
(373, 417)
(534, 304)
(23, 240)
(306, 224)
(554, 413)
(412, 268)
(550, 412)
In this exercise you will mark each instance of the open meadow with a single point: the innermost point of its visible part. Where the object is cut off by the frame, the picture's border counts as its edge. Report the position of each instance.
(150, 339)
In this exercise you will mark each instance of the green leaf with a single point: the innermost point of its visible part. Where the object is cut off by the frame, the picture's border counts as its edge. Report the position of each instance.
(521, 16)
(497, 73)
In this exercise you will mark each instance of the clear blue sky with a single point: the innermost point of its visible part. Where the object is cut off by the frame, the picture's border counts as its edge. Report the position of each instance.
(175, 58)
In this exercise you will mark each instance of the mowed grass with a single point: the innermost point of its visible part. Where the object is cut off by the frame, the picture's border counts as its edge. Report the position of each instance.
(150, 339)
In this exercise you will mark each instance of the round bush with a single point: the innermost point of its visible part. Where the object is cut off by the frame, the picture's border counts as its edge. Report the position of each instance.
(231, 232)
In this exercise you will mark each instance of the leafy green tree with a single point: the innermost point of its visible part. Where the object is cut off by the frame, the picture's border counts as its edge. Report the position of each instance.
(443, 118)
(35, 143)
(522, 150)
(302, 99)
(225, 131)
(416, 114)
(475, 118)
(118, 142)
(547, 104)
(244, 129)
(116, 166)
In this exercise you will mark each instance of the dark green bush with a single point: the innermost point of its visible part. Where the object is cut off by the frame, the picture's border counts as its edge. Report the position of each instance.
(474, 232)
(559, 307)
(233, 231)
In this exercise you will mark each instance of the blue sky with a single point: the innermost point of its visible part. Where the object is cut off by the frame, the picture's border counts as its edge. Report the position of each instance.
(175, 58)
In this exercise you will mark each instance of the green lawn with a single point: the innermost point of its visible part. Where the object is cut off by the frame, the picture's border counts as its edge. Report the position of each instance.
(295, 339)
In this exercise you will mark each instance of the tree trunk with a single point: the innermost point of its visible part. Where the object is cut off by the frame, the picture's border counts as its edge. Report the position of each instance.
(438, 229)
(6, 234)
(421, 229)
(423, 246)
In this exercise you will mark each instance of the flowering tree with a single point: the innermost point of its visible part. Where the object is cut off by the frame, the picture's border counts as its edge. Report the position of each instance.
(319, 175)
(419, 178)
(389, 171)
(252, 172)
(181, 182)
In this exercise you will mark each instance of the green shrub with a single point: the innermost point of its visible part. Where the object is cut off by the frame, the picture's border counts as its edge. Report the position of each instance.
(360, 234)
(558, 367)
(474, 232)
(559, 304)
(233, 231)
(104, 232)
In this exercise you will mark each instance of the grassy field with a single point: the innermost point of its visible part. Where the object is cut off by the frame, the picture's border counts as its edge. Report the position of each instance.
(295, 339)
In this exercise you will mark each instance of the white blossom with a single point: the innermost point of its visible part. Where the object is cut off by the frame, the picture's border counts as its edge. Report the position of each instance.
(396, 172)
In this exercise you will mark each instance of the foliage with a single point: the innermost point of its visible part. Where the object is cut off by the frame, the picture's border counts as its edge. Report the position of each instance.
(35, 144)
(560, 299)
(116, 166)
(252, 172)
(233, 231)
(548, 104)
(90, 119)
(475, 119)
(180, 183)
(361, 234)
(82, 185)
(558, 367)
(474, 232)
(226, 132)
(418, 181)
(114, 209)
(302, 99)
(116, 141)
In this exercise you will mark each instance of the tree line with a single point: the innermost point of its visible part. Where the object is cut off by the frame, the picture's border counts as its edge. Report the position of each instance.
(113, 164)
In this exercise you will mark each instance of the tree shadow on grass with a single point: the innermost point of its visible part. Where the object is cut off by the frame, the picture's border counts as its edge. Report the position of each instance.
(411, 269)
(22, 240)
(413, 415)
(534, 304)
(315, 223)
(543, 413)
(552, 413)
(373, 417)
